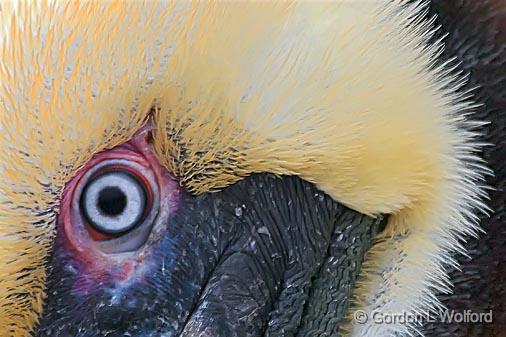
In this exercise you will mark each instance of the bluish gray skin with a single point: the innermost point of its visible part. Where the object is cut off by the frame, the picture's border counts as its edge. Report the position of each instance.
(246, 261)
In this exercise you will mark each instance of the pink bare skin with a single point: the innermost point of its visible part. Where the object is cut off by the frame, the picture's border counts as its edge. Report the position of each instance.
(88, 248)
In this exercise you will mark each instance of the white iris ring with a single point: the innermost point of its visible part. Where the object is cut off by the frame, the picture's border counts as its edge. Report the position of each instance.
(129, 215)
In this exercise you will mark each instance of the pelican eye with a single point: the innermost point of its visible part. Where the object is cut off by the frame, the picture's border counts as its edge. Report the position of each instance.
(114, 202)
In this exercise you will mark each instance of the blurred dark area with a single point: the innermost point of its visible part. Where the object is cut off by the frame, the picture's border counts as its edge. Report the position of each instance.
(476, 36)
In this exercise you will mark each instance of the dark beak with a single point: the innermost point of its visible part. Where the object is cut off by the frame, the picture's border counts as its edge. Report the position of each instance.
(266, 257)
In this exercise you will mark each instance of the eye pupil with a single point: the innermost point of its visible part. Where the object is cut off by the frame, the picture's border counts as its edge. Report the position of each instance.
(112, 201)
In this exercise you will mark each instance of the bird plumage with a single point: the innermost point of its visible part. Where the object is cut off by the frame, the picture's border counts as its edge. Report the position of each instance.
(348, 96)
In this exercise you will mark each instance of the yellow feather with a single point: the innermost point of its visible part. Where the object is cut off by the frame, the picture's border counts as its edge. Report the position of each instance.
(344, 94)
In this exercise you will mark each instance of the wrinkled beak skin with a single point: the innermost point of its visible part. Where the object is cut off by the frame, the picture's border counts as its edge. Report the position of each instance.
(261, 258)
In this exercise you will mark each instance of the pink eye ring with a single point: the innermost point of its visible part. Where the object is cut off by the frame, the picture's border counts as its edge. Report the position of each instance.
(116, 202)
(114, 210)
